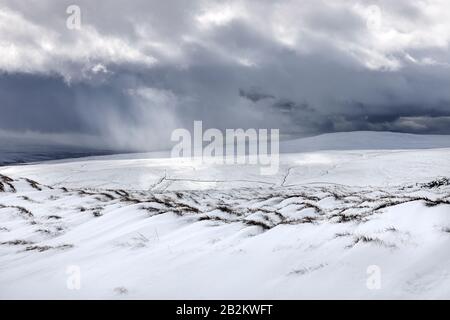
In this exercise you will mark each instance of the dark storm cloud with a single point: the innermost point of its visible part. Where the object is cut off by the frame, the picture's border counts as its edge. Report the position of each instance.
(133, 73)
(35, 102)
(254, 94)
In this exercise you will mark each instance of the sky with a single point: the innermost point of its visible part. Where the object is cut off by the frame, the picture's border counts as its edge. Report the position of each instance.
(133, 71)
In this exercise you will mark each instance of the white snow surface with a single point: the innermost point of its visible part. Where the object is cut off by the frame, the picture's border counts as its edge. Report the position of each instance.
(145, 227)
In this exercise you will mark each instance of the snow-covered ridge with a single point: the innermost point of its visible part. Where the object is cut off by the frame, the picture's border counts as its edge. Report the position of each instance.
(366, 140)
(140, 226)
(270, 242)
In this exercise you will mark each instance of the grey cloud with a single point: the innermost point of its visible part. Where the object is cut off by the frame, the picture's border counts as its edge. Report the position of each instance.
(306, 67)
(254, 94)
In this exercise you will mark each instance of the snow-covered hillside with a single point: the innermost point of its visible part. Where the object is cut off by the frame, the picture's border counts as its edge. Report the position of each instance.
(138, 226)
(365, 140)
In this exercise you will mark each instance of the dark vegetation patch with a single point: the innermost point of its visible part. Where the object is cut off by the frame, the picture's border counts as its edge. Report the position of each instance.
(103, 196)
(121, 192)
(22, 211)
(40, 248)
(6, 181)
(96, 213)
(225, 208)
(131, 200)
(306, 270)
(343, 234)
(436, 183)
(57, 230)
(34, 184)
(26, 198)
(257, 223)
(6, 178)
(54, 217)
(367, 239)
(16, 242)
(344, 218)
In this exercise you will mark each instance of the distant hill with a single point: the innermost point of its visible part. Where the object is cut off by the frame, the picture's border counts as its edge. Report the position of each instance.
(365, 140)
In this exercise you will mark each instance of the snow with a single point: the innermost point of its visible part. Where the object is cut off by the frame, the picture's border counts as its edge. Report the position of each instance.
(147, 227)
(359, 168)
